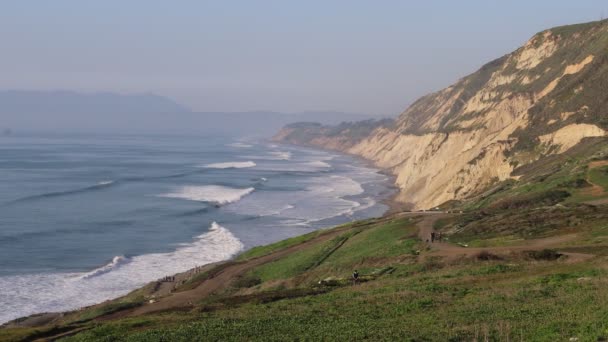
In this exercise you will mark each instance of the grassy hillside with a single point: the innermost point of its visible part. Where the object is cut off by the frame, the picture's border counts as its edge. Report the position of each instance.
(531, 289)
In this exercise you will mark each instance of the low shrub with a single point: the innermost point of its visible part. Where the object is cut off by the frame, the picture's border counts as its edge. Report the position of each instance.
(486, 256)
(247, 281)
(545, 254)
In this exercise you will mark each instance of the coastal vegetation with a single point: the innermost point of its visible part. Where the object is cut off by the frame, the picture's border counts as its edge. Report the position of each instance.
(513, 159)
(544, 286)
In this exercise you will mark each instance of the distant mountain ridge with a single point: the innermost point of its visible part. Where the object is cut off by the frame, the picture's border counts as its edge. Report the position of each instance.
(41, 102)
(541, 100)
(68, 111)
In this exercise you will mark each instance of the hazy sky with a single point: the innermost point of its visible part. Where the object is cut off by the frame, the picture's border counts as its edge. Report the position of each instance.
(354, 56)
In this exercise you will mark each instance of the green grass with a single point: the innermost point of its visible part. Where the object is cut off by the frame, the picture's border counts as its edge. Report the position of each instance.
(504, 227)
(599, 176)
(259, 251)
(408, 298)
(390, 239)
(298, 262)
(106, 309)
(367, 248)
(531, 302)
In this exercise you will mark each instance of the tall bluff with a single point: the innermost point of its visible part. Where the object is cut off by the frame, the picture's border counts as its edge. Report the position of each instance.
(542, 99)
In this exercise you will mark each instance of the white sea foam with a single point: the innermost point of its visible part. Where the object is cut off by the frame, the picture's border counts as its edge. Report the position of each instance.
(209, 193)
(239, 145)
(281, 155)
(22, 295)
(282, 210)
(321, 198)
(272, 155)
(230, 165)
(116, 262)
(308, 166)
(105, 182)
(318, 163)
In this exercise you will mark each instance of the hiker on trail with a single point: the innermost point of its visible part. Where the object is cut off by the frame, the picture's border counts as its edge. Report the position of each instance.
(355, 277)
(432, 237)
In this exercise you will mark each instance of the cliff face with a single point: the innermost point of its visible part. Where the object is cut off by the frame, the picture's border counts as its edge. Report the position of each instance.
(542, 99)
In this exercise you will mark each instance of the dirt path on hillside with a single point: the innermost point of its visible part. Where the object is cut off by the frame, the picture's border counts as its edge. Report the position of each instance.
(596, 190)
(187, 299)
(451, 251)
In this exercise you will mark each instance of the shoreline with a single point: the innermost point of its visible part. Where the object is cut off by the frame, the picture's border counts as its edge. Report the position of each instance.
(394, 206)
(164, 287)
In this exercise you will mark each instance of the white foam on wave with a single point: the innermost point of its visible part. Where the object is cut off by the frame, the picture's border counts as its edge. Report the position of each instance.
(282, 210)
(318, 163)
(281, 155)
(22, 295)
(116, 262)
(272, 155)
(209, 193)
(239, 145)
(329, 193)
(230, 165)
(105, 182)
(321, 198)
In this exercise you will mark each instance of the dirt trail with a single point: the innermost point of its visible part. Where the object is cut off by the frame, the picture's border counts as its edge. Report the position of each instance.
(187, 299)
(451, 251)
(596, 190)
(597, 163)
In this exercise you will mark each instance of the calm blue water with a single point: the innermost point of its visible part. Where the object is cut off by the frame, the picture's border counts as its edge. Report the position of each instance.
(87, 219)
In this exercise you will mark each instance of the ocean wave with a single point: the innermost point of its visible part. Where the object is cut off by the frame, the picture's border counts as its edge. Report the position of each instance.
(279, 211)
(281, 155)
(108, 226)
(346, 186)
(116, 262)
(318, 163)
(295, 167)
(239, 145)
(209, 193)
(273, 155)
(194, 212)
(315, 199)
(324, 198)
(169, 176)
(230, 165)
(22, 295)
(99, 186)
(295, 222)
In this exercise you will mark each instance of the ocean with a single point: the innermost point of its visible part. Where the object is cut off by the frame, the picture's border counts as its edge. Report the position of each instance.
(89, 218)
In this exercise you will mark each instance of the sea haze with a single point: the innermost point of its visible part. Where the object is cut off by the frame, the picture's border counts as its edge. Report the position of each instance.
(83, 220)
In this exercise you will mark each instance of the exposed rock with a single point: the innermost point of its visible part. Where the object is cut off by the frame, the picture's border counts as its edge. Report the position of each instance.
(455, 143)
(569, 136)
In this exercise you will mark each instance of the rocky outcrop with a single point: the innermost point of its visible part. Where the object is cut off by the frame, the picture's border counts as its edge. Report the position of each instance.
(542, 99)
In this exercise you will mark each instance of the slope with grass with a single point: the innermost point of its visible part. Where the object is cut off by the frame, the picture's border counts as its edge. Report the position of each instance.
(543, 287)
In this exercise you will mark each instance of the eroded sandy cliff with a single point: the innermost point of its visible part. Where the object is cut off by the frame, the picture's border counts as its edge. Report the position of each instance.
(542, 99)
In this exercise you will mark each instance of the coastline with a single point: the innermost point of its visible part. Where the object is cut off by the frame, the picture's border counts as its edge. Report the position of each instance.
(165, 288)
(393, 204)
